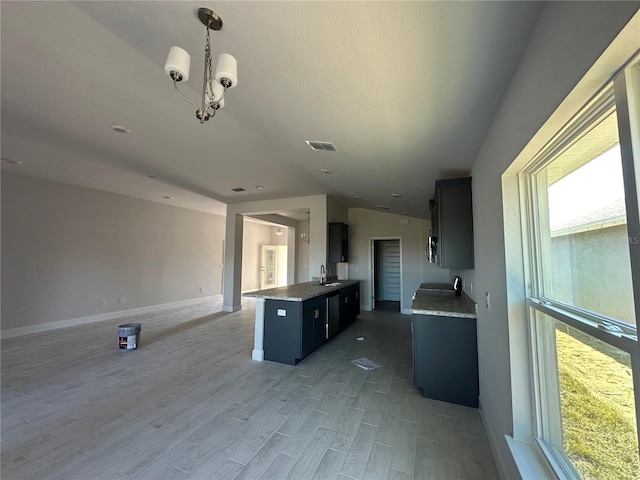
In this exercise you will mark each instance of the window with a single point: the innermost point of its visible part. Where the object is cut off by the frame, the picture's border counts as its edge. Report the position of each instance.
(579, 195)
(584, 236)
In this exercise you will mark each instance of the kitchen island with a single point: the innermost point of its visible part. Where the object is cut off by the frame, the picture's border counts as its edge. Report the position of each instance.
(444, 346)
(293, 321)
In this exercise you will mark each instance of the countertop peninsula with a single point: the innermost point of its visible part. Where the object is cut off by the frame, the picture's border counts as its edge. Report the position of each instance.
(300, 292)
(430, 303)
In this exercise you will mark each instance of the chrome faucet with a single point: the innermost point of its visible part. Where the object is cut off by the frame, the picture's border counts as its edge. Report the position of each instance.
(323, 275)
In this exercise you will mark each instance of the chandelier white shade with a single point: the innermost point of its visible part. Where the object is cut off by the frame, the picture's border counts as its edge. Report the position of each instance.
(227, 67)
(178, 61)
(214, 87)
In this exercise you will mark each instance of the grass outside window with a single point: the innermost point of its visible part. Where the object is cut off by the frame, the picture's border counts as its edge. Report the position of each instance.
(597, 407)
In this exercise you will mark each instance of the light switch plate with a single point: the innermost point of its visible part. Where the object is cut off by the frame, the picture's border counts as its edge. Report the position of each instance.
(282, 312)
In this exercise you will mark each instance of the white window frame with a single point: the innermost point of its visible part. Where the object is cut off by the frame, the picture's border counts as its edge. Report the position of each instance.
(623, 94)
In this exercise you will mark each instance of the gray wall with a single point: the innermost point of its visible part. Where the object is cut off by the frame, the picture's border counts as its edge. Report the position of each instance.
(302, 258)
(568, 39)
(366, 224)
(66, 248)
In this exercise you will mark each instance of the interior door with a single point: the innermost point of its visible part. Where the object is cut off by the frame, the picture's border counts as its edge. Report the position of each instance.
(389, 270)
(269, 267)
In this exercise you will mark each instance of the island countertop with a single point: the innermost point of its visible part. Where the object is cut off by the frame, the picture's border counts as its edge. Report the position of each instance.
(301, 291)
(426, 303)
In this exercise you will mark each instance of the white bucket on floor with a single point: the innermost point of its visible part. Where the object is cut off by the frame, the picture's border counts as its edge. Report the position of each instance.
(129, 336)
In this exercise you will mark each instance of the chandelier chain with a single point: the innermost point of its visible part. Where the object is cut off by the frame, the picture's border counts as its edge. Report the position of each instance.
(210, 67)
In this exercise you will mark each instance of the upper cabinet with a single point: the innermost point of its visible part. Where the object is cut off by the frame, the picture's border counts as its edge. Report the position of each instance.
(338, 242)
(452, 223)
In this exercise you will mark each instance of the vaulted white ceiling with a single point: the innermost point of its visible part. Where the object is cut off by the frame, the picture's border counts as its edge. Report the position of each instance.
(405, 90)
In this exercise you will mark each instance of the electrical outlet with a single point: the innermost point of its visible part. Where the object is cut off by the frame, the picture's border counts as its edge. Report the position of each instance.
(102, 303)
(121, 300)
(487, 300)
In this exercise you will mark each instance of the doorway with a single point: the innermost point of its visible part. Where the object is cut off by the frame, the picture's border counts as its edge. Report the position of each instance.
(273, 266)
(386, 274)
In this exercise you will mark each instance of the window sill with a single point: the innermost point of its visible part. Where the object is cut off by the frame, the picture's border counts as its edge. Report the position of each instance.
(531, 463)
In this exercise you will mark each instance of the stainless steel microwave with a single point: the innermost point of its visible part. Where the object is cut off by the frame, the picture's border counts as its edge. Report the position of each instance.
(432, 249)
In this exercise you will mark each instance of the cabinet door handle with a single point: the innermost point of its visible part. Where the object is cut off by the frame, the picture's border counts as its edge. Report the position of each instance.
(316, 313)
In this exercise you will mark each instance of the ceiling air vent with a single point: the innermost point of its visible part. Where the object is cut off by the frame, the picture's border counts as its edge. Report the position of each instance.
(323, 146)
(239, 189)
(382, 207)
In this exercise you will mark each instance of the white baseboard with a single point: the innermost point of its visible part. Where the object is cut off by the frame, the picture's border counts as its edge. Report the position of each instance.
(73, 322)
(231, 309)
(492, 443)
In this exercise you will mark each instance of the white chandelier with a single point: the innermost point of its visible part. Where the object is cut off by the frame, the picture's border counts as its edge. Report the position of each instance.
(213, 87)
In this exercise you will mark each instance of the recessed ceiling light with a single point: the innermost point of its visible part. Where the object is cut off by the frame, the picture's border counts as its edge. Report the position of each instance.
(357, 197)
(120, 129)
(258, 187)
(168, 197)
(239, 189)
(382, 207)
(12, 162)
(396, 195)
(324, 170)
(321, 146)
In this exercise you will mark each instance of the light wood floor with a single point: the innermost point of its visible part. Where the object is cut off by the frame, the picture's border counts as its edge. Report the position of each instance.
(191, 404)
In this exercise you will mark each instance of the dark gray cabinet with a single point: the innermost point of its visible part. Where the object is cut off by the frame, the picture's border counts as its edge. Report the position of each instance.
(349, 305)
(293, 329)
(308, 342)
(445, 358)
(452, 223)
(338, 242)
(319, 316)
(313, 329)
